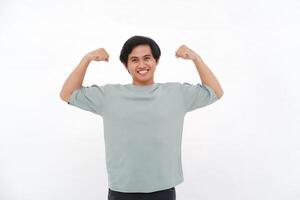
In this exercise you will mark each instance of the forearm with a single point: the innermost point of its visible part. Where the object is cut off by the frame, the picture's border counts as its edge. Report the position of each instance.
(75, 79)
(207, 77)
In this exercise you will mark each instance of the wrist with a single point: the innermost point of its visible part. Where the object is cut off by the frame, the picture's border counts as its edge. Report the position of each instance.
(197, 58)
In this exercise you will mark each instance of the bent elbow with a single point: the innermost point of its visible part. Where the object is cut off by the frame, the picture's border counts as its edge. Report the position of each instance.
(220, 94)
(64, 97)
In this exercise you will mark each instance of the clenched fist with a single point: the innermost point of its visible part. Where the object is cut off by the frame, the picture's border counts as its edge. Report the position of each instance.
(186, 53)
(97, 55)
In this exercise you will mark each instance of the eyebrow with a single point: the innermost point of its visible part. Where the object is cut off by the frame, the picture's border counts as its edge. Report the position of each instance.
(137, 57)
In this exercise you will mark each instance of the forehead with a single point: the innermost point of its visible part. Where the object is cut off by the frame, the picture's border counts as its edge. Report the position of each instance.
(140, 51)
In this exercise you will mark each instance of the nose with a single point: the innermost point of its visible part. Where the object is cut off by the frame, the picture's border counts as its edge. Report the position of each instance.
(141, 64)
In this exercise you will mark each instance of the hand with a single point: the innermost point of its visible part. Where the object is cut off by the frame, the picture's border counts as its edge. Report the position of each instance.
(186, 53)
(97, 55)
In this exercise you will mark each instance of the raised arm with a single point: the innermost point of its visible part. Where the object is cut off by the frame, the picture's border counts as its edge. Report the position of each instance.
(75, 79)
(206, 75)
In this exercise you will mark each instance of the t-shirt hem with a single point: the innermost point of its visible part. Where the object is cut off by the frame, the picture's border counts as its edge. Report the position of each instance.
(146, 190)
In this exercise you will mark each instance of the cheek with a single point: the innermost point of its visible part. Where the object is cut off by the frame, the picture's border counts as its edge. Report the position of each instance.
(153, 64)
(131, 67)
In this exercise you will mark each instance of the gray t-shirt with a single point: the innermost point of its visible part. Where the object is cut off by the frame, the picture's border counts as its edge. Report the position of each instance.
(143, 130)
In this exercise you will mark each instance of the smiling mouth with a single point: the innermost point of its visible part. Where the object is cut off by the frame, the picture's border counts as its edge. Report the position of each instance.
(143, 72)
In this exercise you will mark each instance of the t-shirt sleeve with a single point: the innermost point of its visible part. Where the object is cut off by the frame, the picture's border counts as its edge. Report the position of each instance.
(89, 98)
(197, 96)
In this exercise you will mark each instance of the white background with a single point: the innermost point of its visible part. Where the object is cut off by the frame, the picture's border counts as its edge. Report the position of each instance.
(245, 146)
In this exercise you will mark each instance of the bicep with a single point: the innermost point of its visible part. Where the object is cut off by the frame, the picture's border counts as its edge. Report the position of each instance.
(89, 98)
(197, 96)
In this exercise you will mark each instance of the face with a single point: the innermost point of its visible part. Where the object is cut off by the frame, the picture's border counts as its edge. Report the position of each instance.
(141, 65)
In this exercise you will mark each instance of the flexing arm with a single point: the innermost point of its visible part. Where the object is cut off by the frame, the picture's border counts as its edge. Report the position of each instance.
(206, 75)
(75, 79)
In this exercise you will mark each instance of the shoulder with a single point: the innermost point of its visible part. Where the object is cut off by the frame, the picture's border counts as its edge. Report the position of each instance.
(177, 85)
(171, 84)
(106, 86)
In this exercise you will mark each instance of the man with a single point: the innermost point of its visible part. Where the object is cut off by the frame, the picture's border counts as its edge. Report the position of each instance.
(143, 121)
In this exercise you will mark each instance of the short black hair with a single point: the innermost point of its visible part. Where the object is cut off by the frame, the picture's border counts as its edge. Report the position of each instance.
(135, 41)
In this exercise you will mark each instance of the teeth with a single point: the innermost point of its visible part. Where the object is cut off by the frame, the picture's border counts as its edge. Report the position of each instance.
(143, 72)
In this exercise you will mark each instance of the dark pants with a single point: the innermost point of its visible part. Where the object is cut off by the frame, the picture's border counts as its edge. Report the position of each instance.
(168, 194)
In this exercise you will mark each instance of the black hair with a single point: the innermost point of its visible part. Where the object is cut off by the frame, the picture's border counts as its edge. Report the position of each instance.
(135, 41)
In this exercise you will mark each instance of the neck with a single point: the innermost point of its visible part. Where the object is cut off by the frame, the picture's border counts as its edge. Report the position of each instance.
(143, 83)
